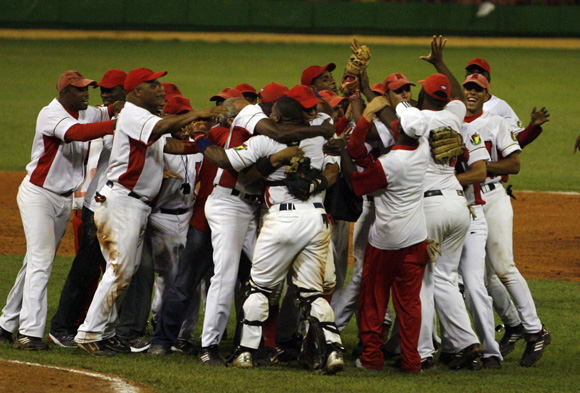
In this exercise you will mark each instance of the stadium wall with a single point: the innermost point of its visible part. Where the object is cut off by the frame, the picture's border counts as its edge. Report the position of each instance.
(318, 17)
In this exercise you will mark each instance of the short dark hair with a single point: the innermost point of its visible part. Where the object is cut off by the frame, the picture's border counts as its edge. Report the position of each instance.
(291, 111)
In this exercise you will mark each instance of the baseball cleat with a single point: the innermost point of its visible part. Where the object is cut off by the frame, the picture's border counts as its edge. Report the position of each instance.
(29, 343)
(242, 360)
(511, 336)
(466, 357)
(6, 336)
(66, 341)
(96, 348)
(266, 356)
(137, 345)
(492, 363)
(186, 347)
(536, 343)
(157, 350)
(428, 363)
(209, 356)
(334, 361)
(116, 345)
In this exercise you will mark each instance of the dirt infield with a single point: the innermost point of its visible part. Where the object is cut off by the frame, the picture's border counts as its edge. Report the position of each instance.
(482, 42)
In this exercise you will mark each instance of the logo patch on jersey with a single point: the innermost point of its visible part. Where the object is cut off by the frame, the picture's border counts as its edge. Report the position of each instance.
(475, 139)
(514, 136)
(241, 147)
(520, 124)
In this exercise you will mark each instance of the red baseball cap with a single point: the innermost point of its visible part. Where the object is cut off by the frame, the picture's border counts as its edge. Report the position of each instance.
(332, 98)
(313, 72)
(73, 78)
(228, 92)
(480, 62)
(245, 88)
(113, 78)
(177, 104)
(272, 91)
(171, 90)
(437, 86)
(304, 95)
(396, 81)
(140, 75)
(379, 88)
(478, 79)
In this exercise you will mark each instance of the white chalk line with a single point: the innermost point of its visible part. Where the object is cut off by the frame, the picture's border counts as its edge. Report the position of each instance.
(116, 383)
(550, 192)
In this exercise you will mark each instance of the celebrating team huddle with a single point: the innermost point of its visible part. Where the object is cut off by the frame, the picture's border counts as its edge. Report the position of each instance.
(249, 204)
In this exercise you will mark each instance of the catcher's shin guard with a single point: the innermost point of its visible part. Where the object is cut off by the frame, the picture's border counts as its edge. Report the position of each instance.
(315, 348)
(255, 313)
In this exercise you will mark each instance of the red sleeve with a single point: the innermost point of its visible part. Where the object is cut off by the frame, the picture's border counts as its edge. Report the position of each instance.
(90, 131)
(528, 135)
(341, 125)
(373, 178)
(356, 145)
(111, 110)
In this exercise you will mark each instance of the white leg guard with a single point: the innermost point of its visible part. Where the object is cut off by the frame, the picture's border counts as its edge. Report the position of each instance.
(255, 312)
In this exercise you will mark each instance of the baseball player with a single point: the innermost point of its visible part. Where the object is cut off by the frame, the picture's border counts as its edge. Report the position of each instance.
(56, 170)
(164, 241)
(394, 258)
(448, 220)
(502, 302)
(319, 77)
(277, 249)
(125, 200)
(89, 264)
(223, 95)
(472, 263)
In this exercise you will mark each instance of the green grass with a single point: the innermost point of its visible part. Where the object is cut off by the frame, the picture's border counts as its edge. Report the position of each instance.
(523, 77)
(557, 304)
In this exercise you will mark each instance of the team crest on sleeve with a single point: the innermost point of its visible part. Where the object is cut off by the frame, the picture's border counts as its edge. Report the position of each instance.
(475, 139)
(514, 136)
(241, 147)
(520, 124)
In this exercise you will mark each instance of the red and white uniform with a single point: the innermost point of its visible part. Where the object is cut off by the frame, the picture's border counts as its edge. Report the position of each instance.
(134, 178)
(232, 211)
(448, 219)
(473, 255)
(499, 215)
(55, 171)
(396, 253)
(293, 234)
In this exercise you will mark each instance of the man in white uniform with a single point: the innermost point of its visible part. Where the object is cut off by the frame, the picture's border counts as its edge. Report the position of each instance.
(134, 178)
(295, 233)
(56, 170)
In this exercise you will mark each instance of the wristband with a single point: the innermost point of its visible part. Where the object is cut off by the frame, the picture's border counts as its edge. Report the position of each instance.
(203, 143)
(321, 183)
(353, 96)
(264, 166)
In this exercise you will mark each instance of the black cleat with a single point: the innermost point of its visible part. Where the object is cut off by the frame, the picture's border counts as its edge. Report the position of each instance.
(536, 343)
(511, 336)
(29, 343)
(209, 356)
(465, 357)
(96, 348)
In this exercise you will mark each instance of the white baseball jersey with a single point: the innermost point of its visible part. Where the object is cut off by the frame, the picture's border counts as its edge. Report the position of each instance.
(439, 176)
(497, 137)
(55, 164)
(386, 136)
(472, 137)
(249, 117)
(247, 154)
(400, 220)
(95, 149)
(499, 107)
(135, 162)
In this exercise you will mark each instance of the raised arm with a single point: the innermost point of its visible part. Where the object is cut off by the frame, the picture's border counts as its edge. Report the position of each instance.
(435, 57)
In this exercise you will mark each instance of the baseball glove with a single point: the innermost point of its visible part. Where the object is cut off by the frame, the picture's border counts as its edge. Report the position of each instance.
(302, 180)
(359, 60)
(446, 144)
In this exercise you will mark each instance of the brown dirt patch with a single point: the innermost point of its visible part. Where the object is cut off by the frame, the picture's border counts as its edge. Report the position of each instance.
(26, 378)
